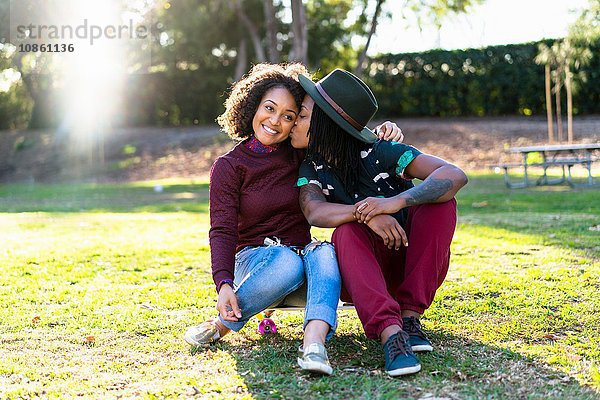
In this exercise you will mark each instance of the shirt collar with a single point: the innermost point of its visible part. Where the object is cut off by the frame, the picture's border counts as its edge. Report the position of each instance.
(256, 146)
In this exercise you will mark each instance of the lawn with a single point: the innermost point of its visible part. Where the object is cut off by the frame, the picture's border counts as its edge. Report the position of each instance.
(99, 282)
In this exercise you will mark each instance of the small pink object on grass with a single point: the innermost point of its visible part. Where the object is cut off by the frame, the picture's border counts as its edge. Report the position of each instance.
(267, 326)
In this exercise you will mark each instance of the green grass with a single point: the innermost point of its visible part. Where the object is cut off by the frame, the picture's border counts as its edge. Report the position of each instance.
(100, 281)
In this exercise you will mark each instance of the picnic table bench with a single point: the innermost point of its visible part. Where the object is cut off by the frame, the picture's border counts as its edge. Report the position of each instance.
(564, 156)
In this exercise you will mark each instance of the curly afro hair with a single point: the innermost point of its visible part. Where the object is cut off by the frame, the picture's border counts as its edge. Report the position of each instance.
(246, 94)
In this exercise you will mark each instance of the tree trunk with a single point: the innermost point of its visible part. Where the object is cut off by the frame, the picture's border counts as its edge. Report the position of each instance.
(558, 108)
(569, 104)
(299, 50)
(258, 49)
(272, 50)
(363, 55)
(549, 105)
(242, 60)
(32, 88)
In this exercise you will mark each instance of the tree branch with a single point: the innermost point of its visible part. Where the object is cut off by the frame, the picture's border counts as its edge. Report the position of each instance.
(258, 49)
(363, 55)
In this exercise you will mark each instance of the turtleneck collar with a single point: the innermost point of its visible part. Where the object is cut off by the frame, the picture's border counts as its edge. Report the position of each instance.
(256, 146)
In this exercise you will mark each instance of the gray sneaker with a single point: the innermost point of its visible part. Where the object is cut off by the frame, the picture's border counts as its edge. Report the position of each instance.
(203, 334)
(314, 359)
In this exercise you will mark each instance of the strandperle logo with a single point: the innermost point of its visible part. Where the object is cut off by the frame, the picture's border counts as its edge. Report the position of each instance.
(69, 31)
(84, 31)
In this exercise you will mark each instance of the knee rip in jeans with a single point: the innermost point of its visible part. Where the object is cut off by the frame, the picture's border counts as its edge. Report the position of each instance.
(315, 244)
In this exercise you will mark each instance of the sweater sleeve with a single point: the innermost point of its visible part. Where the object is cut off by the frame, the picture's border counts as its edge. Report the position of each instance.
(224, 198)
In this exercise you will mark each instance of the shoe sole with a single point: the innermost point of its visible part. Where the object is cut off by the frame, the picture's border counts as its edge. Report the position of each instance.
(315, 367)
(404, 371)
(422, 347)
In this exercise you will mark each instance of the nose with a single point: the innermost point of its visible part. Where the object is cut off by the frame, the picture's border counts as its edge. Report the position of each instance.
(275, 119)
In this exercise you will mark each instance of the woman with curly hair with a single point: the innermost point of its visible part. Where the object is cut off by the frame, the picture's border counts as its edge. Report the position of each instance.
(261, 250)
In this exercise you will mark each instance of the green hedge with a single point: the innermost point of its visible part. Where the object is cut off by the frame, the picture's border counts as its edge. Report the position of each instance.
(496, 80)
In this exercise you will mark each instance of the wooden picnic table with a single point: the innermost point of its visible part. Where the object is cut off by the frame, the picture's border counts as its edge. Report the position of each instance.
(559, 155)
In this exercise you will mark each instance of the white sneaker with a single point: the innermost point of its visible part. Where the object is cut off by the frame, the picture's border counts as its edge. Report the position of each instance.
(203, 334)
(314, 359)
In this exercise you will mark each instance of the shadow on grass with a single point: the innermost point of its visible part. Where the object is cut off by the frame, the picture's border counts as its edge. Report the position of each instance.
(558, 216)
(458, 368)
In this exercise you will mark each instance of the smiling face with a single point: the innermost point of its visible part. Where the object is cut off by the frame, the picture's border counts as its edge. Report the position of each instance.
(275, 116)
(300, 132)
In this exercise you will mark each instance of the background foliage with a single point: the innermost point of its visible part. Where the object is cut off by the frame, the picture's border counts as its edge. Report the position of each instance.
(197, 53)
(495, 80)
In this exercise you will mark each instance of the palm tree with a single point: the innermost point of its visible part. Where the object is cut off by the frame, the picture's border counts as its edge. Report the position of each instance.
(569, 54)
(559, 60)
(547, 57)
(558, 72)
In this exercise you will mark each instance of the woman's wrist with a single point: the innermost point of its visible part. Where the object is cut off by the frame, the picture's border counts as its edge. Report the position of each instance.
(399, 202)
(224, 282)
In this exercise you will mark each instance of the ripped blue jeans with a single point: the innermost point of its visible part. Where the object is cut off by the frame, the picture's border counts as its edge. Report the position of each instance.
(273, 275)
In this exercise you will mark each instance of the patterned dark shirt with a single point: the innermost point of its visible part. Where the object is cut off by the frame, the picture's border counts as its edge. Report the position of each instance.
(381, 175)
(256, 146)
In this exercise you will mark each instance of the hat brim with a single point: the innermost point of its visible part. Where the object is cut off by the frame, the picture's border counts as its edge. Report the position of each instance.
(365, 135)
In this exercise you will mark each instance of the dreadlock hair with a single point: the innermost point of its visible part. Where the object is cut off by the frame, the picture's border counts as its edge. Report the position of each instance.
(331, 144)
(246, 94)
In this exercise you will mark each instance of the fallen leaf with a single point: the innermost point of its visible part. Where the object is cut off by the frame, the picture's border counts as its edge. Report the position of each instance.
(195, 391)
(35, 320)
(90, 339)
(480, 204)
(552, 336)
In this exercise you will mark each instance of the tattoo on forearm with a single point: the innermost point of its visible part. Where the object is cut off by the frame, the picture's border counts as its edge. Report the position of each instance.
(428, 192)
(309, 193)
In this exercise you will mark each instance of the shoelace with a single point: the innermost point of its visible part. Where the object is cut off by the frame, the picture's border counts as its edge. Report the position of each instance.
(412, 326)
(399, 345)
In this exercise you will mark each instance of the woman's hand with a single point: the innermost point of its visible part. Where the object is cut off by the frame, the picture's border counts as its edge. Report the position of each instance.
(366, 209)
(227, 304)
(389, 131)
(388, 228)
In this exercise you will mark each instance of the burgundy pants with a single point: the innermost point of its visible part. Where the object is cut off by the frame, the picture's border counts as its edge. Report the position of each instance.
(382, 282)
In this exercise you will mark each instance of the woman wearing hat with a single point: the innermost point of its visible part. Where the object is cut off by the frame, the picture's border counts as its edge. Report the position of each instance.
(259, 239)
(363, 186)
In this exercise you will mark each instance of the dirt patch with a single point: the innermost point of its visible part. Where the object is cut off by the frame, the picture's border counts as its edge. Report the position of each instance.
(157, 153)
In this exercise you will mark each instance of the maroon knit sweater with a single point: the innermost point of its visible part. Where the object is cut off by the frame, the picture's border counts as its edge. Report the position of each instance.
(253, 196)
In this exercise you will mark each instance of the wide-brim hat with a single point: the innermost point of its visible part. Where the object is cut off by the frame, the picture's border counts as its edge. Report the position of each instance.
(346, 99)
